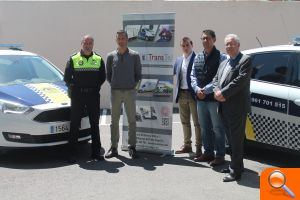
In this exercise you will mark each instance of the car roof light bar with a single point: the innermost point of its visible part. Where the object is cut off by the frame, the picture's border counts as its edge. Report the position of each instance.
(12, 46)
(296, 40)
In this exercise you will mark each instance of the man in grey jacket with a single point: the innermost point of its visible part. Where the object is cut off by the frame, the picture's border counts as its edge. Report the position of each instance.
(123, 72)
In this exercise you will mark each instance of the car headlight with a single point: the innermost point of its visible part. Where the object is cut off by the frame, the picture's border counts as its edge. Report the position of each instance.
(9, 107)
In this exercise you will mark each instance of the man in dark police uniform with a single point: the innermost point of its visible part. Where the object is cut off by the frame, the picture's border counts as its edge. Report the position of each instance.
(84, 75)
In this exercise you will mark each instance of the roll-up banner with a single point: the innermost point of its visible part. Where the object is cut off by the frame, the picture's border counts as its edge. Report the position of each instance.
(152, 35)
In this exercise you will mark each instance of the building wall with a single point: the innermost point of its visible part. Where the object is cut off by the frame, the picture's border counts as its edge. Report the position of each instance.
(54, 28)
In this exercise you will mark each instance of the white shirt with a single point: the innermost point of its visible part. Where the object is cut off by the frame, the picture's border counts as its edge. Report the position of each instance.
(183, 71)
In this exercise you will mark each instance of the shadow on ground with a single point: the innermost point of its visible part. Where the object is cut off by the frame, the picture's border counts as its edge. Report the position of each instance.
(147, 161)
(53, 157)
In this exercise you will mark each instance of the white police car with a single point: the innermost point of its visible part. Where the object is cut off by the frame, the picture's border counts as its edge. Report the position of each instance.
(34, 106)
(275, 96)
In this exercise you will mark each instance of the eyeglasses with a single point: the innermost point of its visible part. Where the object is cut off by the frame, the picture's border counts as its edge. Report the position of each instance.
(206, 38)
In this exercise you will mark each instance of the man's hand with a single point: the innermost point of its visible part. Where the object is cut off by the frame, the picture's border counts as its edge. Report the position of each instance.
(218, 96)
(200, 94)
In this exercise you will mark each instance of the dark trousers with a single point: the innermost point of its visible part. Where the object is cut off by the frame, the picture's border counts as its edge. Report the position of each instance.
(234, 123)
(80, 100)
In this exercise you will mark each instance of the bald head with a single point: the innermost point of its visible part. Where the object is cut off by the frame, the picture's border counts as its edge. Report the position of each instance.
(87, 44)
(87, 37)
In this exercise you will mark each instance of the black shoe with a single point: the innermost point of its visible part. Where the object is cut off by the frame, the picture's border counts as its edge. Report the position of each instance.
(97, 157)
(225, 170)
(232, 177)
(112, 152)
(132, 152)
(72, 159)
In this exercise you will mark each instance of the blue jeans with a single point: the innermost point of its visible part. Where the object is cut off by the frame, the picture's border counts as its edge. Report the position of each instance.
(212, 128)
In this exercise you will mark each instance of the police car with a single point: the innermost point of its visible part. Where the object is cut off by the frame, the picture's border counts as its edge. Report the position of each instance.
(275, 96)
(34, 106)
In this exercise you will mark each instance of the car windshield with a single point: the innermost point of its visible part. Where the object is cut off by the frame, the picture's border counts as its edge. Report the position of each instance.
(22, 69)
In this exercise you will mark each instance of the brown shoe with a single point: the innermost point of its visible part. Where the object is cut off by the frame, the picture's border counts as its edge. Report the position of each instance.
(198, 152)
(219, 160)
(204, 158)
(184, 149)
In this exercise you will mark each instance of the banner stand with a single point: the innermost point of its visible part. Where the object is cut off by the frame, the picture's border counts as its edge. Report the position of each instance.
(152, 36)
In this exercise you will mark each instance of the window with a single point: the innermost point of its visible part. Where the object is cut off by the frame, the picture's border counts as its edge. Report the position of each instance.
(44, 70)
(26, 69)
(295, 73)
(274, 67)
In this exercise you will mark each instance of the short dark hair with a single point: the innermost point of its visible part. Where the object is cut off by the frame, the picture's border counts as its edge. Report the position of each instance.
(119, 32)
(186, 39)
(209, 32)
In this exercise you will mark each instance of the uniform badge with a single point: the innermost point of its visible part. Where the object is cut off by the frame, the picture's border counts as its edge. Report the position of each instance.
(94, 62)
(80, 62)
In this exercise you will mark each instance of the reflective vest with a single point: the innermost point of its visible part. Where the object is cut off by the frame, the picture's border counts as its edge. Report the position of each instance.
(80, 63)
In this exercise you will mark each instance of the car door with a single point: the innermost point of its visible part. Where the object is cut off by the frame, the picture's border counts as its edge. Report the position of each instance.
(267, 122)
(294, 103)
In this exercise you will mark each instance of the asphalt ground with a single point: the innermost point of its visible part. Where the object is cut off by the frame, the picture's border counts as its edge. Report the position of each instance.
(43, 173)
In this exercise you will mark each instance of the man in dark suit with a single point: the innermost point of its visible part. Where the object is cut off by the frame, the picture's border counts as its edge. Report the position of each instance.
(185, 96)
(232, 88)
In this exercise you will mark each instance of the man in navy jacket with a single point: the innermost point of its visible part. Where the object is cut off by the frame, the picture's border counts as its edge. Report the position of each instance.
(185, 96)
(205, 67)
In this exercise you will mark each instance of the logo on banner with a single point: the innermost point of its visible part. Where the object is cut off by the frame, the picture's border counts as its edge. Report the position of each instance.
(157, 58)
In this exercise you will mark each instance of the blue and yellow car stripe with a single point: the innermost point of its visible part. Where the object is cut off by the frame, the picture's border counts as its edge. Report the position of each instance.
(51, 93)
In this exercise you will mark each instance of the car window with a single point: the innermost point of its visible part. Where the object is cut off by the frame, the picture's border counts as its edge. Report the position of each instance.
(272, 67)
(295, 67)
(26, 69)
(43, 69)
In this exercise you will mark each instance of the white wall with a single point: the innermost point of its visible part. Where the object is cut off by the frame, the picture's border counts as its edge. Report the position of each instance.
(54, 28)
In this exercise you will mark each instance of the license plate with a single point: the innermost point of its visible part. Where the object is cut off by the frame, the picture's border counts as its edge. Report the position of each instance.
(60, 128)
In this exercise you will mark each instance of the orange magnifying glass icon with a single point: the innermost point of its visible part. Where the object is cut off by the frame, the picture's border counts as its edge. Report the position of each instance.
(277, 180)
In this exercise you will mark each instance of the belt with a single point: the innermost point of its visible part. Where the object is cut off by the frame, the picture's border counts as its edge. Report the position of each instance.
(86, 90)
(184, 90)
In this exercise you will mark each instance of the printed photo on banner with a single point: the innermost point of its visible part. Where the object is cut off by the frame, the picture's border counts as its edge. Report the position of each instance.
(147, 86)
(156, 115)
(155, 87)
(150, 33)
(163, 88)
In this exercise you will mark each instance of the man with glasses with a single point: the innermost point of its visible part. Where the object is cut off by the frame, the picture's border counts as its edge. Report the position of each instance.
(204, 69)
